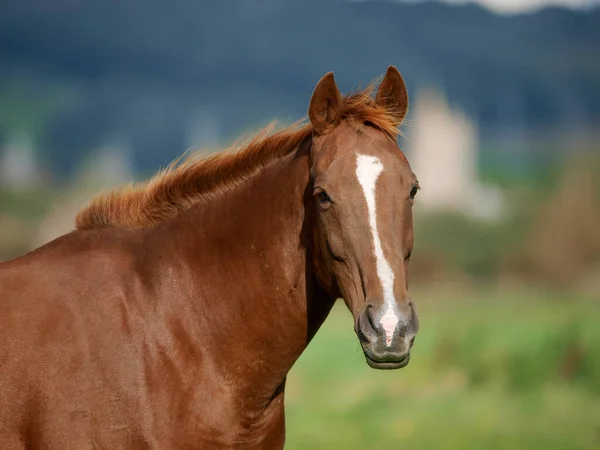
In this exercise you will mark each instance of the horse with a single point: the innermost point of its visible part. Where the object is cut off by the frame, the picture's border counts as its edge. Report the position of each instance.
(170, 317)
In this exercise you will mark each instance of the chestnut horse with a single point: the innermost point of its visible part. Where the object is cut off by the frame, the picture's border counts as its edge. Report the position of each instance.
(172, 315)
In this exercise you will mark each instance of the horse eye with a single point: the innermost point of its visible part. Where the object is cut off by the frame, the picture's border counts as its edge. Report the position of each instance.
(413, 192)
(323, 198)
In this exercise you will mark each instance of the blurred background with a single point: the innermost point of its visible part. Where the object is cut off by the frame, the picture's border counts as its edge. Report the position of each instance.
(503, 133)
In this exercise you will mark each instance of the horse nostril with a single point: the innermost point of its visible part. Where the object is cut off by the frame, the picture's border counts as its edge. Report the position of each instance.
(370, 318)
(367, 330)
(361, 336)
(412, 341)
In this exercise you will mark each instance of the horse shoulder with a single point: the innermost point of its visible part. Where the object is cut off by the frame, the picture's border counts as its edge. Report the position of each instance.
(62, 329)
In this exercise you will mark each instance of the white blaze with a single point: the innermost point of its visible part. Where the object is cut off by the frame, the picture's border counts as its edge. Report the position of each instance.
(368, 169)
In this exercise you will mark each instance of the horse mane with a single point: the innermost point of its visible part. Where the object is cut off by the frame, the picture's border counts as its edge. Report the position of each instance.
(188, 181)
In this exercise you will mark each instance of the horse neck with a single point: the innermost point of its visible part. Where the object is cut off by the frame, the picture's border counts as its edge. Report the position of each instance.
(255, 295)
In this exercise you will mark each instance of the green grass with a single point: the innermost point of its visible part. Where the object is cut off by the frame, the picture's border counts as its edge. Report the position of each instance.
(490, 370)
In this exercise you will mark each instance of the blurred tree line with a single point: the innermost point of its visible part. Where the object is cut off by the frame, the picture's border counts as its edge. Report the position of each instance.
(77, 71)
(549, 236)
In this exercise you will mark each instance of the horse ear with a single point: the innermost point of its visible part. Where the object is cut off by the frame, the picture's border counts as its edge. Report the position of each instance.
(324, 109)
(392, 94)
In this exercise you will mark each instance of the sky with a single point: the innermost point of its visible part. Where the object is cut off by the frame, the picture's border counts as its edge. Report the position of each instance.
(519, 6)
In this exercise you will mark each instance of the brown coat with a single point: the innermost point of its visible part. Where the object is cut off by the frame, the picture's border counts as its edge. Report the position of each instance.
(172, 316)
